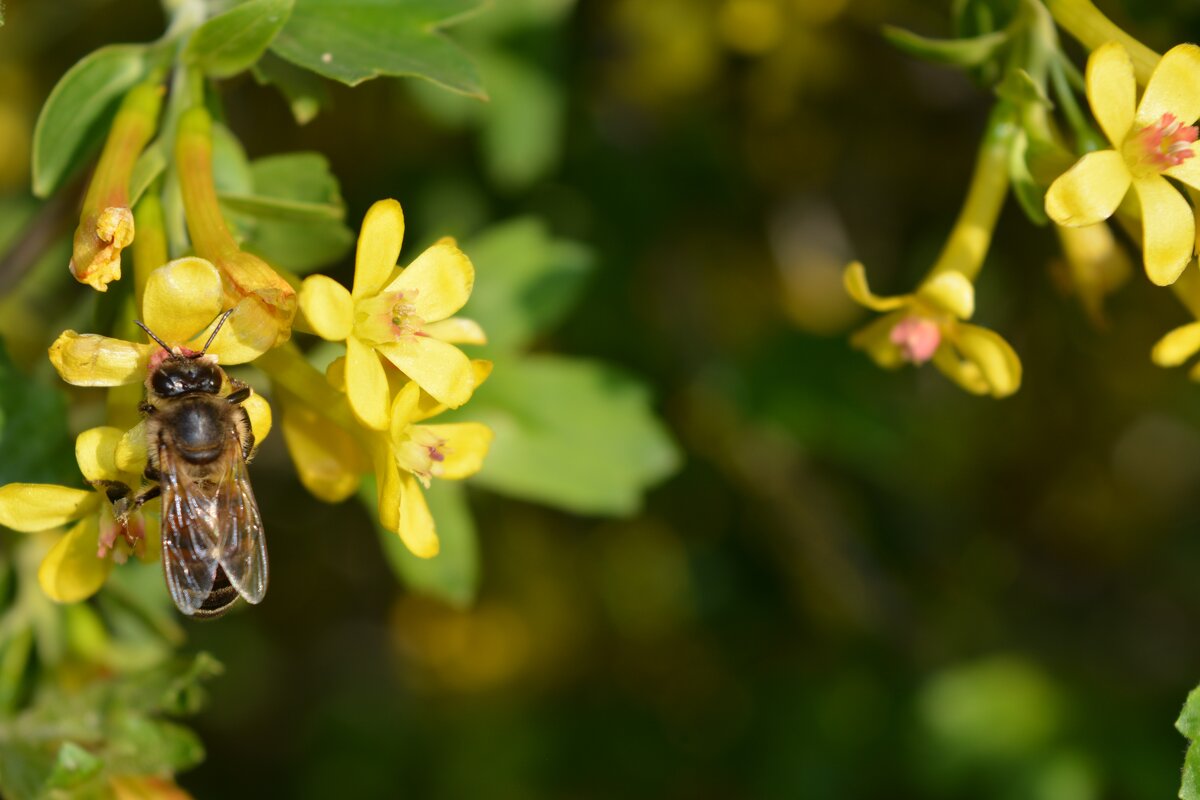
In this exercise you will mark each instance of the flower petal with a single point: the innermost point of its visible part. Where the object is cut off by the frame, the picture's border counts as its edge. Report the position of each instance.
(328, 307)
(1112, 90)
(251, 330)
(1168, 229)
(86, 359)
(182, 298)
(428, 407)
(438, 282)
(1090, 191)
(404, 409)
(951, 292)
(259, 411)
(1177, 346)
(71, 571)
(417, 529)
(28, 507)
(855, 281)
(456, 330)
(441, 369)
(378, 247)
(875, 339)
(997, 361)
(387, 485)
(1188, 170)
(96, 452)
(327, 458)
(1173, 88)
(965, 373)
(366, 385)
(467, 445)
(131, 454)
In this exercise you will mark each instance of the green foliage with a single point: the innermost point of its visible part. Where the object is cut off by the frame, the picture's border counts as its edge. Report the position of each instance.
(72, 122)
(33, 430)
(292, 212)
(232, 42)
(304, 91)
(452, 575)
(1189, 725)
(355, 40)
(968, 52)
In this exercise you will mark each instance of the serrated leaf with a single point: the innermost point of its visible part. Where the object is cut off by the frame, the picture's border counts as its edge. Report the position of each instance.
(573, 434)
(304, 91)
(526, 281)
(232, 42)
(73, 119)
(970, 52)
(453, 574)
(355, 40)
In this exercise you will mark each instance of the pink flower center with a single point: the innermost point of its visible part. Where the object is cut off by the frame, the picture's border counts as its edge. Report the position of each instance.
(917, 337)
(1167, 143)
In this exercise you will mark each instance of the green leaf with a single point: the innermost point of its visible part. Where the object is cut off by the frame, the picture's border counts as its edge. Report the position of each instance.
(73, 766)
(570, 433)
(1029, 194)
(34, 438)
(526, 281)
(1189, 718)
(75, 116)
(232, 42)
(970, 52)
(293, 213)
(1189, 725)
(305, 92)
(355, 40)
(453, 574)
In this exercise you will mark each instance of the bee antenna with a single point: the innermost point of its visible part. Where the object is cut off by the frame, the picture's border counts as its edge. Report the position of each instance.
(151, 334)
(216, 330)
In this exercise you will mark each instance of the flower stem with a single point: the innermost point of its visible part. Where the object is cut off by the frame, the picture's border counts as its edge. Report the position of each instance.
(1085, 22)
(964, 251)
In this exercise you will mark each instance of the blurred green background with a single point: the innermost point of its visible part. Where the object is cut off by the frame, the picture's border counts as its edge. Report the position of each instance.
(858, 584)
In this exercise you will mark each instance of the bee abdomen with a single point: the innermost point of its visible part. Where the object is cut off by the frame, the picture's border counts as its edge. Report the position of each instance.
(219, 600)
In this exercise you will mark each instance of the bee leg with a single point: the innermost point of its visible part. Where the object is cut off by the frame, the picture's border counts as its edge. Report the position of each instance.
(149, 494)
(239, 395)
(150, 473)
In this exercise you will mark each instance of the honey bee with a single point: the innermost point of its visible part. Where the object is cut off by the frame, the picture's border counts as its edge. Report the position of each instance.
(199, 442)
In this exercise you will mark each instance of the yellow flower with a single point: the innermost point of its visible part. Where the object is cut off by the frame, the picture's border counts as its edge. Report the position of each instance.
(77, 566)
(1153, 140)
(1094, 265)
(928, 325)
(411, 454)
(404, 316)
(183, 300)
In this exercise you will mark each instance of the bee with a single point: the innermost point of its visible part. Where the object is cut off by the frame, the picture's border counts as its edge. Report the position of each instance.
(199, 442)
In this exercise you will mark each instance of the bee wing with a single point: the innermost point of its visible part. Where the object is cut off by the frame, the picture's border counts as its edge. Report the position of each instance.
(241, 545)
(189, 538)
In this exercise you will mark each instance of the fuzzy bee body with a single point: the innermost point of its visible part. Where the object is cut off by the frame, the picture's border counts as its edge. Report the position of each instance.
(199, 442)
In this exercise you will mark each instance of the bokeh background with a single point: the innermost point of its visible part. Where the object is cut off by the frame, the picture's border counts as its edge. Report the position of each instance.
(858, 584)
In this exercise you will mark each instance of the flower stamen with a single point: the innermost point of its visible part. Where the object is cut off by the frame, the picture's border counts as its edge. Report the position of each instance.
(1166, 143)
(917, 337)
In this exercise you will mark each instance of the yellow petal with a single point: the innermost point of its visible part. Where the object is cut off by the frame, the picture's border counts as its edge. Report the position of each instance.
(71, 571)
(997, 362)
(328, 307)
(951, 292)
(182, 299)
(441, 369)
(438, 283)
(96, 452)
(404, 408)
(1112, 90)
(417, 529)
(259, 411)
(366, 385)
(875, 340)
(466, 446)
(428, 407)
(131, 450)
(855, 281)
(378, 247)
(1168, 229)
(251, 330)
(387, 485)
(964, 373)
(1173, 88)
(1177, 346)
(30, 507)
(85, 359)
(456, 330)
(335, 373)
(1188, 170)
(1090, 191)
(328, 460)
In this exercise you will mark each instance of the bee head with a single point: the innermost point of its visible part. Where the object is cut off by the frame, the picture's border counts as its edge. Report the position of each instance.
(180, 370)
